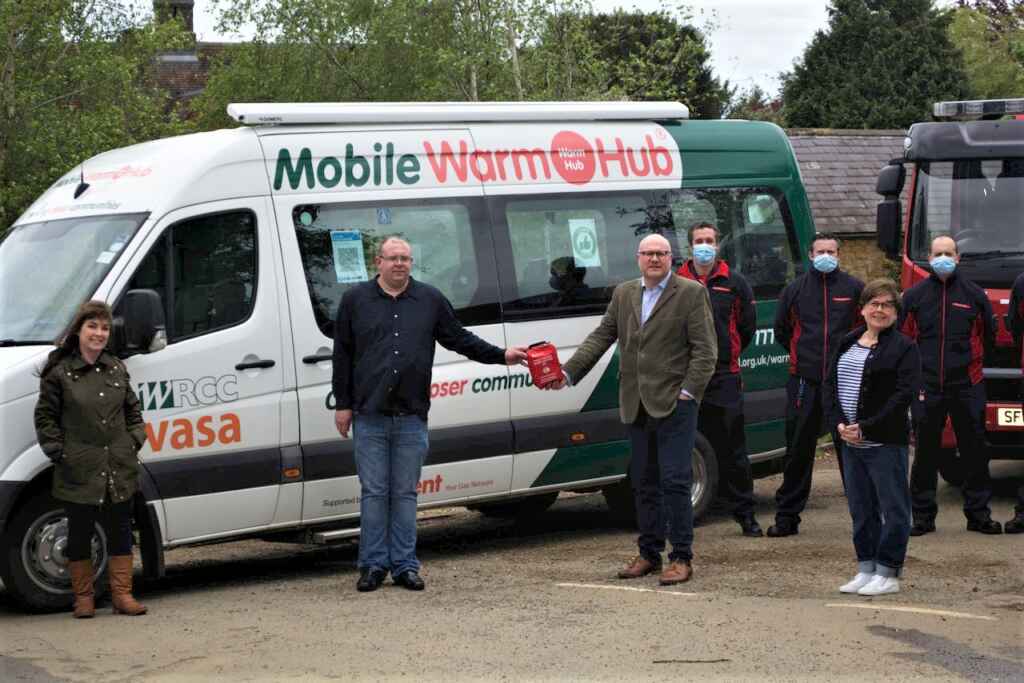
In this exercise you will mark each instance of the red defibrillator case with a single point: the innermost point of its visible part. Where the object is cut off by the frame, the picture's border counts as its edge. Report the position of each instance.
(542, 359)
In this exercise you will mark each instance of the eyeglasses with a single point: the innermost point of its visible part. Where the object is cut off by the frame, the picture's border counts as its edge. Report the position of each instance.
(397, 259)
(882, 305)
(654, 254)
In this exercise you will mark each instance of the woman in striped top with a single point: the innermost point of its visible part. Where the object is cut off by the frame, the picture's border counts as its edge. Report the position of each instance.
(872, 378)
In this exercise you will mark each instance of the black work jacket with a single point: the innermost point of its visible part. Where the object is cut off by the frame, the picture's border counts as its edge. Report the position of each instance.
(384, 347)
(892, 377)
(1015, 319)
(813, 314)
(953, 324)
(732, 305)
(89, 421)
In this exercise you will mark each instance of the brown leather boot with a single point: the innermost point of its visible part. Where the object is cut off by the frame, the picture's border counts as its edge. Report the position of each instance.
(121, 587)
(679, 571)
(81, 586)
(637, 567)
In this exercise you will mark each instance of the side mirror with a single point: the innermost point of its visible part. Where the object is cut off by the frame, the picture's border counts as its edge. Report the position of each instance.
(889, 218)
(139, 323)
(891, 179)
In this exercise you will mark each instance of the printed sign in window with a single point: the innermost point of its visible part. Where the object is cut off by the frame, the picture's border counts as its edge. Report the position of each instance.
(349, 259)
(583, 233)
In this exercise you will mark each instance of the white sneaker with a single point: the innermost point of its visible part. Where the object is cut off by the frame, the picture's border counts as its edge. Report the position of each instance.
(881, 585)
(862, 579)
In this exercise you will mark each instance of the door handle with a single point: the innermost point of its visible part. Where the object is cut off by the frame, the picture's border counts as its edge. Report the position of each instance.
(317, 358)
(255, 364)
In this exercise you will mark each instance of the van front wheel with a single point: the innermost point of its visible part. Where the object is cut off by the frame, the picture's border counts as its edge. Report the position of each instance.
(619, 496)
(33, 566)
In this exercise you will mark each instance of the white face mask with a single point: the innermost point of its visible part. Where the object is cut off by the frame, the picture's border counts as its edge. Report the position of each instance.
(704, 254)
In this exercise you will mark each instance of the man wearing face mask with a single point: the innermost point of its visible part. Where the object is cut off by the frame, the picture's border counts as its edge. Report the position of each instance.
(1015, 323)
(720, 418)
(951, 319)
(815, 311)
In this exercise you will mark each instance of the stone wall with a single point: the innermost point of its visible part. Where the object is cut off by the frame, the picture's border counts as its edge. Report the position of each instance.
(861, 257)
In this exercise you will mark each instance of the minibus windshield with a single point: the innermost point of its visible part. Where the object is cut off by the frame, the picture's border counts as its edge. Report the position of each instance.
(48, 269)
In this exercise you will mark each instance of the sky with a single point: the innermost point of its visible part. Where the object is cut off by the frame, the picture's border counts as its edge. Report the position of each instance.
(752, 41)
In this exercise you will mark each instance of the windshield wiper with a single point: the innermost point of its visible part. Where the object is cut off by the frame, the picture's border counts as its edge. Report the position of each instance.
(995, 253)
(25, 342)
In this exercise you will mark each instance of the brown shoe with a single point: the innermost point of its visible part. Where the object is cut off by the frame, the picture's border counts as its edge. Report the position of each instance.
(121, 587)
(81, 586)
(639, 566)
(679, 571)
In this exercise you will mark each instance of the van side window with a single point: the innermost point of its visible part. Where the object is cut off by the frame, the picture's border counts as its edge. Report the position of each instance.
(758, 239)
(567, 252)
(204, 270)
(451, 249)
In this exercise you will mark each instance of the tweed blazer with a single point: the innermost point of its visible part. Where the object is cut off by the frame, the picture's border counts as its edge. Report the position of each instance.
(676, 349)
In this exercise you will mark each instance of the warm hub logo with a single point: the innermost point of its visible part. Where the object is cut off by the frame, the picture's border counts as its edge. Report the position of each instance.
(567, 156)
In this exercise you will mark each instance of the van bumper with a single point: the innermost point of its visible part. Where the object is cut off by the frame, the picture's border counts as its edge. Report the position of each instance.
(9, 491)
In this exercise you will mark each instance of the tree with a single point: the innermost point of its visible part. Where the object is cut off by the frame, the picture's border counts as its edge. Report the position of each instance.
(754, 105)
(991, 36)
(74, 81)
(654, 56)
(879, 64)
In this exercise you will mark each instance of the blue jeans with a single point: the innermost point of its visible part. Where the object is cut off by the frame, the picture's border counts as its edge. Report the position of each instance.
(389, 455)
(879, 498)
(661, 472)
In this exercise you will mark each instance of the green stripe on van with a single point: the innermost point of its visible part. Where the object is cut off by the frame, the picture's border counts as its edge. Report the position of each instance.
(579, 463)
(605, 395)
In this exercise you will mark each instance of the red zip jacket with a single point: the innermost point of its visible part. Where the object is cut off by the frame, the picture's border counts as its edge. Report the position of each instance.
(815, 311)
(732, 304)
(953, 325)
(1015, 320)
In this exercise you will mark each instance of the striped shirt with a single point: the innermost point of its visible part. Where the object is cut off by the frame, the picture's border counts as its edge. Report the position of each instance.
(849, 374)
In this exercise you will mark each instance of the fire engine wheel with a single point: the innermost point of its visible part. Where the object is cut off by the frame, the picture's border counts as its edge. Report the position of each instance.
(33, 566)
(951, 467)
(705, 483)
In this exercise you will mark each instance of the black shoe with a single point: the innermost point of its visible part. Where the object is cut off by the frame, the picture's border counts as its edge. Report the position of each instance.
(750, 526)
(985, 525)
(922, 527)
(409, 579)
(370, 579)
(783, 528)
(1015, 525)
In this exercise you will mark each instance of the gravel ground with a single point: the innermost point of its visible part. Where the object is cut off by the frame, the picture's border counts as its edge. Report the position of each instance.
(538, 601)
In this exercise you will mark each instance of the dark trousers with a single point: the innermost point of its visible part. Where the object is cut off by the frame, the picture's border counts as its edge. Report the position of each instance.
(722, 426)
(965, 406)
(879, 502)
(661, 471)
(114, 518)
(803, 429)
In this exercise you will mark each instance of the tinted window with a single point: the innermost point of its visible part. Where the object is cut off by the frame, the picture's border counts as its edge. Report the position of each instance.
(451, 248)
(757, 239)
(567, 252)
(204, 270)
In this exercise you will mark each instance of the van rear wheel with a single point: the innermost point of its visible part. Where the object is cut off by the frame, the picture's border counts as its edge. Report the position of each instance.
(619, 496)
(34, 567)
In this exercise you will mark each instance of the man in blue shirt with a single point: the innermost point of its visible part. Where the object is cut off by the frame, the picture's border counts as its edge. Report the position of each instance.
(384, 338)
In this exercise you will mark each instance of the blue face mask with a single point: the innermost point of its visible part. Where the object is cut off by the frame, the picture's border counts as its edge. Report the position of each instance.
(825, 263)
(704, 254)
(943, 265)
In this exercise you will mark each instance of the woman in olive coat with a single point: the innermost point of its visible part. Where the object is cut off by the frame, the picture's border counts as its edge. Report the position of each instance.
(89, 423)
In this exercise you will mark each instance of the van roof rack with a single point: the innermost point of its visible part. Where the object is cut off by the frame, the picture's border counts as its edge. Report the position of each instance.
(297, 113)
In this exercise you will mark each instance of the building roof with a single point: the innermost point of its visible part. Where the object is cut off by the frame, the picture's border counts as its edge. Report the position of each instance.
(839, 169)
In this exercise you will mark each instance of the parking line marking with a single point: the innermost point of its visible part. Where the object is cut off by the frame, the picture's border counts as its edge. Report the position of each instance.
(624, 588)
(914, 610)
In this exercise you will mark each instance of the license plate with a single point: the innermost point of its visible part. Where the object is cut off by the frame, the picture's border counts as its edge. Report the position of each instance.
(1010, 417)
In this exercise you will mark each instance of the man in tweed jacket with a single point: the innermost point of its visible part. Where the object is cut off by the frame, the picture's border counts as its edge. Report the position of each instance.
(667, 353)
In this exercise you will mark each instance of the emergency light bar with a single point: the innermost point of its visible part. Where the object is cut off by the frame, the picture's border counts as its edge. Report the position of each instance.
(450, 112)
(973, 108)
